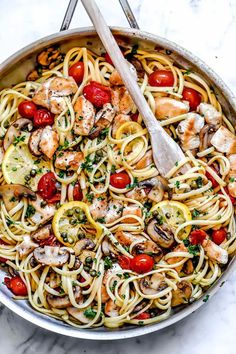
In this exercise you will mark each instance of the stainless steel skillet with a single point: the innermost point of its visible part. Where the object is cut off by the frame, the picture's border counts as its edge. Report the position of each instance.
(16, 68)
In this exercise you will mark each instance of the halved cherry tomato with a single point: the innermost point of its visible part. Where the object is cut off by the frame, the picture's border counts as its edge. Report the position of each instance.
(161, 78)
(82, 280)
(2, 260)
(108, 59)
(218, 236)
(77, 192)
(197, 237)
(230, 196)
(56, 198)
(120, 180)
(142, 263)
(16, 285)
(77, 71)
(193, 97)
(134, 117)
(212, 179)
(124, 262)
(43, 117)
(49, 241)
(97, 93)
(143, 316)
(47, 186)
(27, 109)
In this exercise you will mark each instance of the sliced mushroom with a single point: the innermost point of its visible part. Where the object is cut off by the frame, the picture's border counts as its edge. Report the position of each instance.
(188, 267)
(11, 193)
(163, 236)
(52, 256)
(149, 247)
(182, 294)
(108, 249)
(34, 141)
(205, 136)
(158, 185)
(42, 233)
(86, 254)
(26, 246)
(61, 302)
(42, 213)
(15, 130)
(85, 243)
(78, 314)
(152, 284)
(138, 66)
(49, 56)
(111, 309)
(33, 75)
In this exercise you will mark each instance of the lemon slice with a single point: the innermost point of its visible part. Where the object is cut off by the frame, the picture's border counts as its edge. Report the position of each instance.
(128, 128)
(72, 220)
(17, 164)
(174, 214)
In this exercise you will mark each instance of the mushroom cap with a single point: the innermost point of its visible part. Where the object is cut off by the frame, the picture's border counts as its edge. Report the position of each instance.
(85, 243)
(50, 255)
(152, 284)
(163, 236)
(10, 191)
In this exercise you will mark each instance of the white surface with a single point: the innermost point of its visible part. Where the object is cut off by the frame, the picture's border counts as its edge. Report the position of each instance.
(205, 27)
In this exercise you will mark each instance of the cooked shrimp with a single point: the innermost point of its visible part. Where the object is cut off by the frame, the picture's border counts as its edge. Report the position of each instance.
(98, 208)
(115, 78)
(111, 309)
(69, 160)
(42, 214)
(126, 238)
(145, 161)
(84, 116)
(103, 119)
(215, 252)
(121, 100)
(224, 141)
(52, 92)
(182, 294)
(114, 210)
(138, 194)
(232, 176)
(167, 107)
(188, 131)
(131, 209)
(180, 248)
(211, 115)
(118, 121)
(49, 141)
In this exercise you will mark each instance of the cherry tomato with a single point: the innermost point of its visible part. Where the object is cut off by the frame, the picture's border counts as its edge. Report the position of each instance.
(230, 196)
(16, 285)
(108, 59)
(56, 198)
(197, 237)
(77, 192)
(97, 93)
(77, 71)
(124, 262)
(142, 263)
(134, 117)
(212, 179)
(2, 260)
(27, 109)
(143, 316)
(82, 280)
(47, 186)
(50, 241)
(193, 97)
(43, 117)
(161, 78)
(218, 236)
(120, 180)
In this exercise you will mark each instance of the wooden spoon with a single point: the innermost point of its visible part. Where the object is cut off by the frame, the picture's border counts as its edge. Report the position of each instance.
(165, 150)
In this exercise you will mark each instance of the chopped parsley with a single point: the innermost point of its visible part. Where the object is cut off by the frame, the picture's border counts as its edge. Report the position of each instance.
(195, 213)
(90, 197)
(18, 139)
(192, 249)
(90, 313)
(64, 146)
(176, 164)
(232, 179)
(61, 174)
(30, 211)
(104, 133)
(103, 198)
(177, 184)
(133, 51)
(112, 288)
(101, 220)
(199, 182)
(187, 72)
(206, 298)
(81, 118)
(113, 169)
(134, 184)
(9, 221)
(88, 164)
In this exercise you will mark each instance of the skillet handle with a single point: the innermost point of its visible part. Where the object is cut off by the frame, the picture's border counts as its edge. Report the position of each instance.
(68, 15)
(129, 14)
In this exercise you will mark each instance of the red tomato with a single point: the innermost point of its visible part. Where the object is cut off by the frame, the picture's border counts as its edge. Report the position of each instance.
(16, 285)
(143, 316)
(47, 186)
(124, 262)
(212, 179)
(108, 59)
(82, 280)
(230, 196)
(77, 71)
(161, 78)
(142, 263)
(27, 109)
(193, 97)
(218, 236)
(134, 117)
(56, 198)
(120, 180)
(97, 93)
(197, 237)
(50, 241)
(77, 192)
(43, 117)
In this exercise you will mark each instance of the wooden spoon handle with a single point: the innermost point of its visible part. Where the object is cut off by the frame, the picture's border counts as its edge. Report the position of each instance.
(121, 65)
